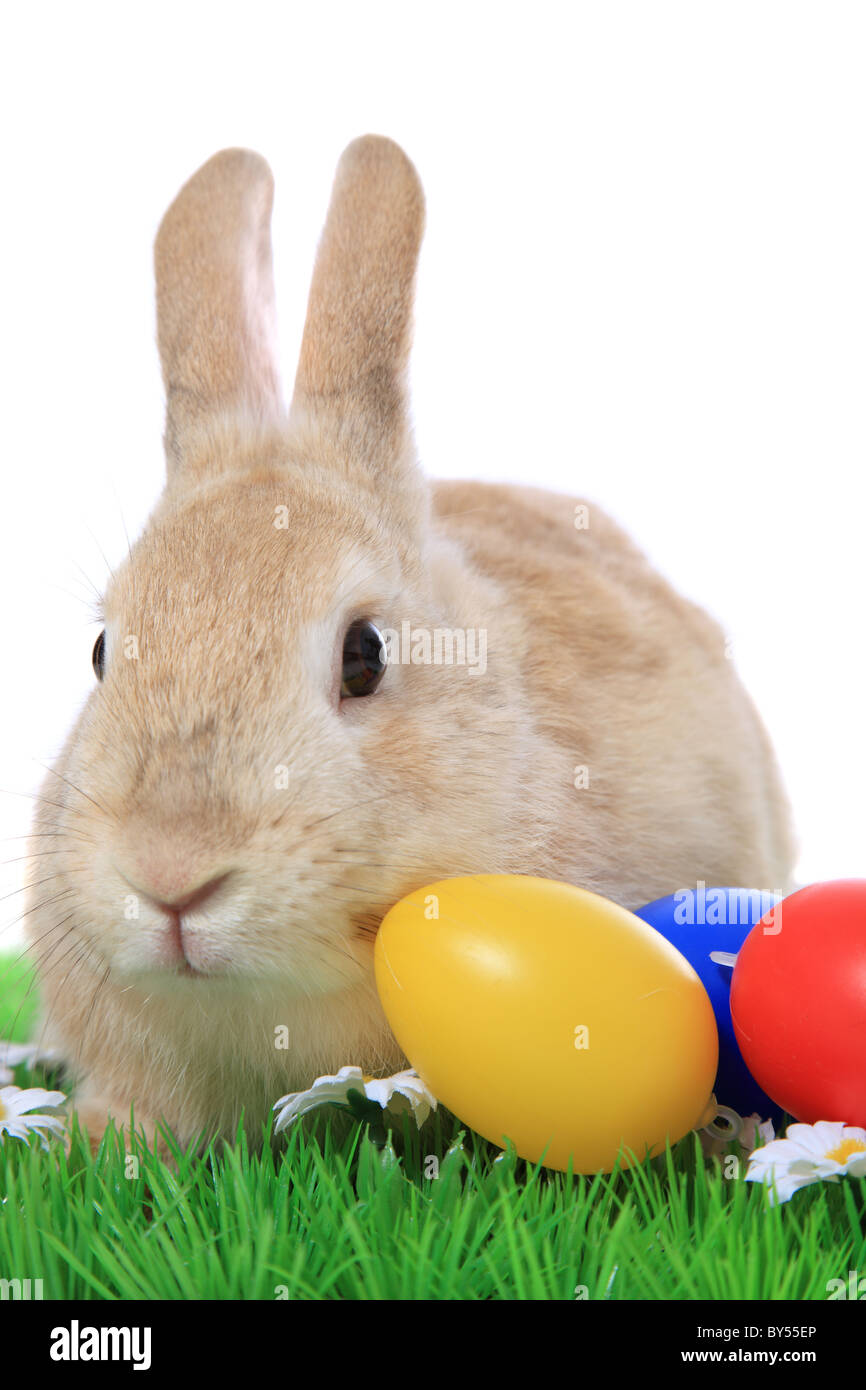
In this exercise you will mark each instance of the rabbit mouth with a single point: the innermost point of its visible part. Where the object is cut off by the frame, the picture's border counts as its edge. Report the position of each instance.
(185, 970)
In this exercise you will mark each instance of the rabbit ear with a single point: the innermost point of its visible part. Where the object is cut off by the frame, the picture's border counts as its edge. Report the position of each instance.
(215, 297)
(350, 384)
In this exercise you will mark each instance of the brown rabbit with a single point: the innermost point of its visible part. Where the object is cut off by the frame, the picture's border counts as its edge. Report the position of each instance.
(259, 774)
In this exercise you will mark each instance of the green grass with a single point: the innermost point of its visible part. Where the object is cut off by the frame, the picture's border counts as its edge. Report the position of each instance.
(331, 1215)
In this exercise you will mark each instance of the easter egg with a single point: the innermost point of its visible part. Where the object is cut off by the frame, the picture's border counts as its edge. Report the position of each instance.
(798, 1002)
(699, 921)
(547, 1015)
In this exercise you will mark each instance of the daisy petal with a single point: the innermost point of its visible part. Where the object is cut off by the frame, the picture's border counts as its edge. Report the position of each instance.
(324, 1090)
(402, 1093)
(19, 1101)
(12, 1054)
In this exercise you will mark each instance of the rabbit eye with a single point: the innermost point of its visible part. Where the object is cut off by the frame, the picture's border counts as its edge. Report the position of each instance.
(365, 657)
(99, 655)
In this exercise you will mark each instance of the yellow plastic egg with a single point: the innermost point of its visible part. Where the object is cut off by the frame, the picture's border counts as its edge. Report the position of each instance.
(548, 1015)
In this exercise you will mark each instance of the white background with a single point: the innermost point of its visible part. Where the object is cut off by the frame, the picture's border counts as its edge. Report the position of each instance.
(643, 281)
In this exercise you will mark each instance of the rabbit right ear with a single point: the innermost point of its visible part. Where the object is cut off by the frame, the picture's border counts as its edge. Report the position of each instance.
(215, 298)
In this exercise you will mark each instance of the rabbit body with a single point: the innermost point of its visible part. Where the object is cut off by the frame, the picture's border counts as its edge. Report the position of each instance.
(229, 830)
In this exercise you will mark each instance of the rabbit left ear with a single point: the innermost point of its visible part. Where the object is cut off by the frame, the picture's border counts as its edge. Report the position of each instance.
(215, 298)
(350, 386)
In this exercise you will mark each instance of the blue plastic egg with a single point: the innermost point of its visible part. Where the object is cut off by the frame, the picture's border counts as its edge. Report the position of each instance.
(698, 921)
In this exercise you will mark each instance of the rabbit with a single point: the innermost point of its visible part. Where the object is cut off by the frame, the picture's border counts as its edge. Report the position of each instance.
(259, 772)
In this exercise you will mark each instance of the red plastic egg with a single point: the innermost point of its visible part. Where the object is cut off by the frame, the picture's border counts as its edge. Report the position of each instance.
(798, 1002)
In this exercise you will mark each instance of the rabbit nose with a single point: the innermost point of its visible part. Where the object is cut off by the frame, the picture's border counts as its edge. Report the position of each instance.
(175, 892)
(184, 902)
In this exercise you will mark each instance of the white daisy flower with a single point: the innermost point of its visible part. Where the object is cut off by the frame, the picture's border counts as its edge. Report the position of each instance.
(396, 1094)
(401, 1094)
(12, 1054)
(808, 1153)
(16, 1119)
(753, 1128)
